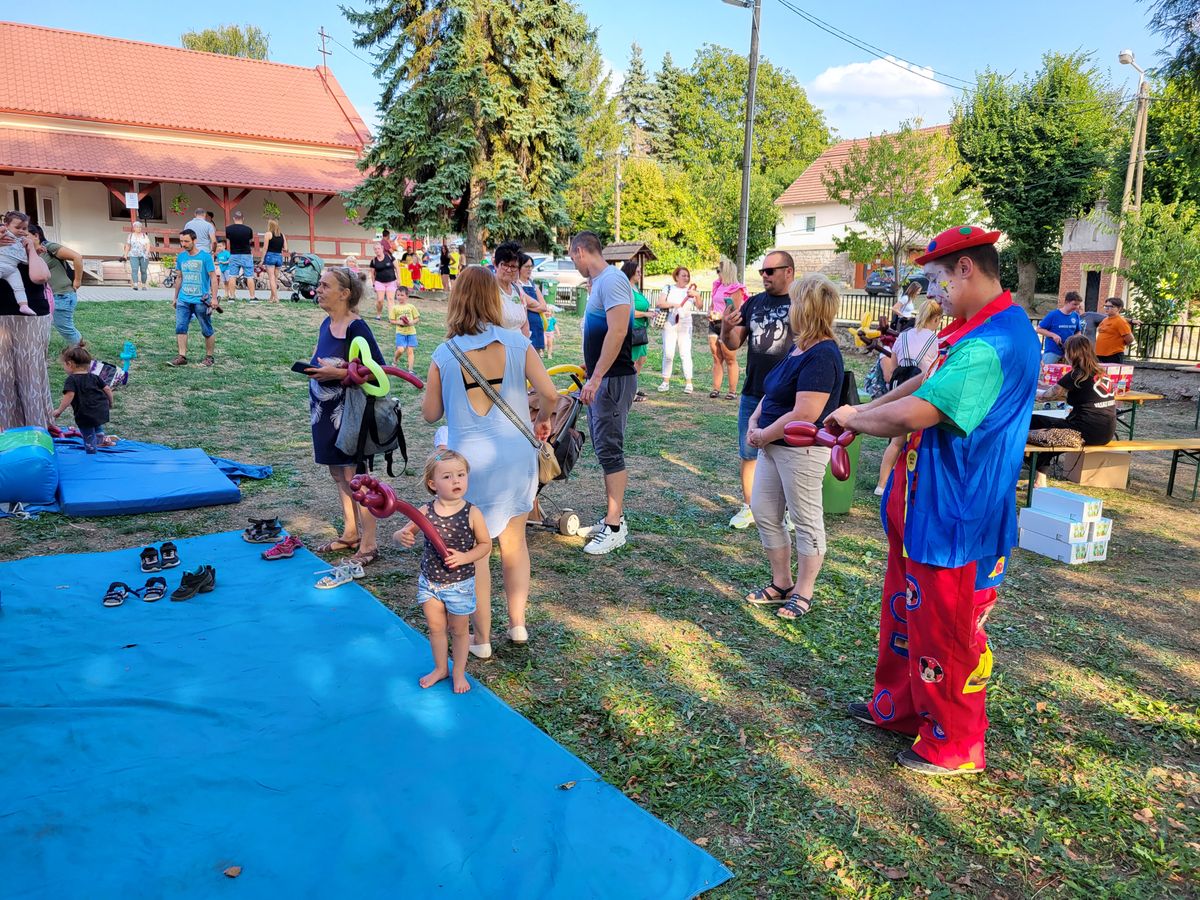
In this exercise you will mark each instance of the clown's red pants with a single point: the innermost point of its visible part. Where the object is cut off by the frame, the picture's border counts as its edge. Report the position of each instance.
(934, 659)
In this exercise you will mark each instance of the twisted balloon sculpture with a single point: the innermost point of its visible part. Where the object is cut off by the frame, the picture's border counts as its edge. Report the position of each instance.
(362, 368)
(806, 434)
(381, 502)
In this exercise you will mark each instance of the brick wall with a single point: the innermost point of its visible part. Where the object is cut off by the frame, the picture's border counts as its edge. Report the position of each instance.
(1075, 266)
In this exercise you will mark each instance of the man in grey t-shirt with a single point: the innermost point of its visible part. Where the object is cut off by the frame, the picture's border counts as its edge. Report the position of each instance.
(206, 232)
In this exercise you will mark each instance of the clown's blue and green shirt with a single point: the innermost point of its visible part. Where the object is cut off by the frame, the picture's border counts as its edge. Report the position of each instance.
(962, 474)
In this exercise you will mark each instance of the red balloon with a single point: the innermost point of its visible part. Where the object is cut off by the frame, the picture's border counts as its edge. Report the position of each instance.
(807, 428)
(839, 462)
(358, 374)
(381, 501)
(826, 438)
(846, 438)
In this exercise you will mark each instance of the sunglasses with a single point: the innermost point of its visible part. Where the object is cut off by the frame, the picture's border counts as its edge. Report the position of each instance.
(771, 270)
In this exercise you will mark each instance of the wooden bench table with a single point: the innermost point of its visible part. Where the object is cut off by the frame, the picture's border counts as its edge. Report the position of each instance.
(1187, 449)
(1127, 416)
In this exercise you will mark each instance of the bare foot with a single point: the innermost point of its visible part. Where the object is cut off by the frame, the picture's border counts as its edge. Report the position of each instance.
(433, 678)
(461, 685)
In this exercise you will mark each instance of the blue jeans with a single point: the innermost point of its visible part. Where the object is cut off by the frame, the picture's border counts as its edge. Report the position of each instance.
(746, 407)
(139, 264)
(188, 308)
(1049, 356)
(64, 317)
(458, 598)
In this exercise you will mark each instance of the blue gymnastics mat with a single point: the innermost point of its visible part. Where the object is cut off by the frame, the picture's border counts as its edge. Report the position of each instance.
(280, 728)
(133, 477)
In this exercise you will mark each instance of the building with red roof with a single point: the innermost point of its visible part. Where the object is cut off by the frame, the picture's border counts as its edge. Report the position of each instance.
(82, 141)
(810, 219)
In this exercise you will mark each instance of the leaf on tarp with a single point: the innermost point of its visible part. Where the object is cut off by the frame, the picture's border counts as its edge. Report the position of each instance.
(567, 785)
(233, 871)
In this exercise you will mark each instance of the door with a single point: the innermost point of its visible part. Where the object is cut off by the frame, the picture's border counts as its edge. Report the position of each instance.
(39, 203)
(1091, 292)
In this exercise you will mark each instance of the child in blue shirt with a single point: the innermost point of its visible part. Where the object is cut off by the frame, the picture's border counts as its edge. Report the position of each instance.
(1058, 325)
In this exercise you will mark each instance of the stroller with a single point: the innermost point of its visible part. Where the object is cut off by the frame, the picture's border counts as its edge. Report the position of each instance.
(567, 441)
(305, 273)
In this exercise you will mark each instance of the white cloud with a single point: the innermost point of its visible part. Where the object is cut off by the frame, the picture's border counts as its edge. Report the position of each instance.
(864, 98)
(616, 76)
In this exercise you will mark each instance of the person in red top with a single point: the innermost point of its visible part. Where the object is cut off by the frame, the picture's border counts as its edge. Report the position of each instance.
(413, 258)
(949, 510)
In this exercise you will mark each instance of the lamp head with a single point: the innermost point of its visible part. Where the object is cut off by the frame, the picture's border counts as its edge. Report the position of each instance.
(1125, 57)
(744, 4)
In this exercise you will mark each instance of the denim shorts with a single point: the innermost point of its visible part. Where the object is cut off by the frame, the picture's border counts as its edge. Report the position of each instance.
(1049, 356)
(406, 340)
(188, 308)
(746, 407)
(273, 259)
(458, 598)
(241, 264)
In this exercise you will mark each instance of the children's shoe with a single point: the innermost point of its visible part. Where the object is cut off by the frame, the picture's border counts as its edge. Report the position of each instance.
(201, 581)
(742, 519)
(152, 561)
(285, 549)
(154, 589)
(116, 593)
(262, 531)
(169, 555)
(339, 575)
(606, 539)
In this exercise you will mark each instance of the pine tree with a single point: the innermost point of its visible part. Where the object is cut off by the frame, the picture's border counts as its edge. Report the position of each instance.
(663, 129)
(477, 112)
(636, 99)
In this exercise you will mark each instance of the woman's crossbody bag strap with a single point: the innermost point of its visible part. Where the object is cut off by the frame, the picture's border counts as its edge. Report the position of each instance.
(495, 397)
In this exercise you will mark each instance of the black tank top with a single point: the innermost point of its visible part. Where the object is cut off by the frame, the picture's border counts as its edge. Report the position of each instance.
(456, 531)
(275, 244)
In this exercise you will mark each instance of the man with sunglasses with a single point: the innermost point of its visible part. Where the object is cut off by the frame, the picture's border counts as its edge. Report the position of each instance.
(949, 509)
(763, 321)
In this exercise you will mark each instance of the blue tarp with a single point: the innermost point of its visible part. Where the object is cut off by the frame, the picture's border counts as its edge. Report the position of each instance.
(280, 728)
(134, 477)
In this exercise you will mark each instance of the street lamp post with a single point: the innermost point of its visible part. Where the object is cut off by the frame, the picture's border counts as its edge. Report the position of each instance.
(748, 146)
(1137, 160)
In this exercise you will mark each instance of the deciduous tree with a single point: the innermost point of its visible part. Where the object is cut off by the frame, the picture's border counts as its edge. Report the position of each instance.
(1162, 260)
(1178, 22)
(249, 41)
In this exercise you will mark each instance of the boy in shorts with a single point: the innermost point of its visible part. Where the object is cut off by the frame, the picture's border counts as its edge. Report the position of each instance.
(405, 316)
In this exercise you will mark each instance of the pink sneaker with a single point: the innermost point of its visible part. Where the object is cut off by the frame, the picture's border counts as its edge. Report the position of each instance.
(285, 549)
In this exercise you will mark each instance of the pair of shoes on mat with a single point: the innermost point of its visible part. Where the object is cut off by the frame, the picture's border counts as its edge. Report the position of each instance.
(285, 549)
(118, 592)
(203, 580)
(339, 575)
(156, 559)
(263, 531)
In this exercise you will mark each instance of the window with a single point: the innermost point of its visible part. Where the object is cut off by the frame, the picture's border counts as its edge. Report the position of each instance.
(150, 209)
(810, 224)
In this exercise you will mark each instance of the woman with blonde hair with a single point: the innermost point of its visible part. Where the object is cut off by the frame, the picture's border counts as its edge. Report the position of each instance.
(726, 291)
(275, 245)
(912, 355)
(504, 467)
(804, 387)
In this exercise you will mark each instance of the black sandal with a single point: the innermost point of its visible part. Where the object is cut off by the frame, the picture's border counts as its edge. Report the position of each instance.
(116, 593)
(151, 561)
(762, 597)
(795, 607)
(713, 395)
(170, 555)
(154, 589)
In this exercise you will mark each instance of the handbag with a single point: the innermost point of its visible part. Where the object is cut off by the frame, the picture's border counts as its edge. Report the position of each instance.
(1056, 437)
(659, 320)
(548, 466)
(639, 333)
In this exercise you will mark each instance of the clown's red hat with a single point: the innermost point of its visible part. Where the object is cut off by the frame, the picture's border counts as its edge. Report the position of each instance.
(954, 239)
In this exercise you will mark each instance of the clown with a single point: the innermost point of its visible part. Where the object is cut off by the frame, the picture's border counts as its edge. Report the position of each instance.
(948, 509)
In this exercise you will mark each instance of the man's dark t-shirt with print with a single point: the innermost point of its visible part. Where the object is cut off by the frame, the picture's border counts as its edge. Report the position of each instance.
(241, 239)
(770, 338)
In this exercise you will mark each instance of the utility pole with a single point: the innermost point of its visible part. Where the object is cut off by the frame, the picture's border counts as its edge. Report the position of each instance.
(325, 53)
(1137, 159)
(617, 196)
(748, 145)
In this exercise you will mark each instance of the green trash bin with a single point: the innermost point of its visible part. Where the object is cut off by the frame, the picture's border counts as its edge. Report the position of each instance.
(838, 496)
(581, 298)
(550, 290)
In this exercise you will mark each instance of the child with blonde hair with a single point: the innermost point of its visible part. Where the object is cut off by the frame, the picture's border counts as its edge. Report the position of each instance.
(446, 587)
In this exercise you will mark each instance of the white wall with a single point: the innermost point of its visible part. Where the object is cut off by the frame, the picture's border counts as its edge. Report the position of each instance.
(832, 221)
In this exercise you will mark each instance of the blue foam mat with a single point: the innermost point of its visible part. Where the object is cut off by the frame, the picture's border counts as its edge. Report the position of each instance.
(280, 728)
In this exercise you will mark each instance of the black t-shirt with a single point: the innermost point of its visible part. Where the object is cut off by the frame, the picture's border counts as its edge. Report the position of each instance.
(770, 338)
(818, 369)
(90, 403)
(1093, 409)
(241, 239)
(444, 262)
(384, 269)
(35, 295)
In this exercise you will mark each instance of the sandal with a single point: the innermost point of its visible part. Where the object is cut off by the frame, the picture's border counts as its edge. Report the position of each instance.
(731, 396)
(262, 531)
(154, 589)
(337, 545)
(285, 549)
(339, 575)
(151, 561)
(365, 558)
(763, 596)
(116, 593)
(795, 607)
(170, 555)
(713, 395)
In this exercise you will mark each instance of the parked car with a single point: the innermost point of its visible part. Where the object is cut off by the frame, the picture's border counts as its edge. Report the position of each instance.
(883, 281)
(561, 270)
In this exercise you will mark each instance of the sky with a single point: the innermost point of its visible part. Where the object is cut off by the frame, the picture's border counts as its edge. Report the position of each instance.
(859, 93)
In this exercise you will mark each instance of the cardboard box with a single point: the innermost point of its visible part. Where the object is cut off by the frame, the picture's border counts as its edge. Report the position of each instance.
(1064, 503)
(1097, 469)
(1100, 530)
(1121, 376)
(1097, 551)
(1069, 531)
(1071, 554)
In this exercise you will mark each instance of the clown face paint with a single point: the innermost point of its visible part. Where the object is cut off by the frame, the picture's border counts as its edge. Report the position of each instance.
(942, 287)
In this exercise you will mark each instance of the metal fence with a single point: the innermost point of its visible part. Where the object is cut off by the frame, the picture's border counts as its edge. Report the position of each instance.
(1166, 343)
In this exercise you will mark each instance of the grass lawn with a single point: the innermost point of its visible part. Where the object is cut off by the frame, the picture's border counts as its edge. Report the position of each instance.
(721, 719)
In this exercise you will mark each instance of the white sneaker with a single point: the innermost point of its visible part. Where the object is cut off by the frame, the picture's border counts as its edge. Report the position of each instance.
(787, 522)
(743, 518)
(688, 389)
(588, 530)
(664, 387)
(605, 540)
(878, 491)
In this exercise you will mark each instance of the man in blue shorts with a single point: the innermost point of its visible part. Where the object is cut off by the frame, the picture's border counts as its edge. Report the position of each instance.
(240, 238)
(195, 296)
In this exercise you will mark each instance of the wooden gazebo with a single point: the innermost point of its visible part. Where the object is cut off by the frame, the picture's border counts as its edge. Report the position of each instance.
(619, 253)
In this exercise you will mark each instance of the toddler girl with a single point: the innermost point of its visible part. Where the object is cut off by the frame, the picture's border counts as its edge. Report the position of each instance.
(551, 334)
(12, 255)
(446, 588)
(87, 395)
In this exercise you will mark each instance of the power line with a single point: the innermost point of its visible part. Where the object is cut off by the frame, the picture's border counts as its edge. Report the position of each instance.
(351, 52)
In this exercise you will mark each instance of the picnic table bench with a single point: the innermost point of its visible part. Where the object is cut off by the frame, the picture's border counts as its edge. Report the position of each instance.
(1186, 449)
